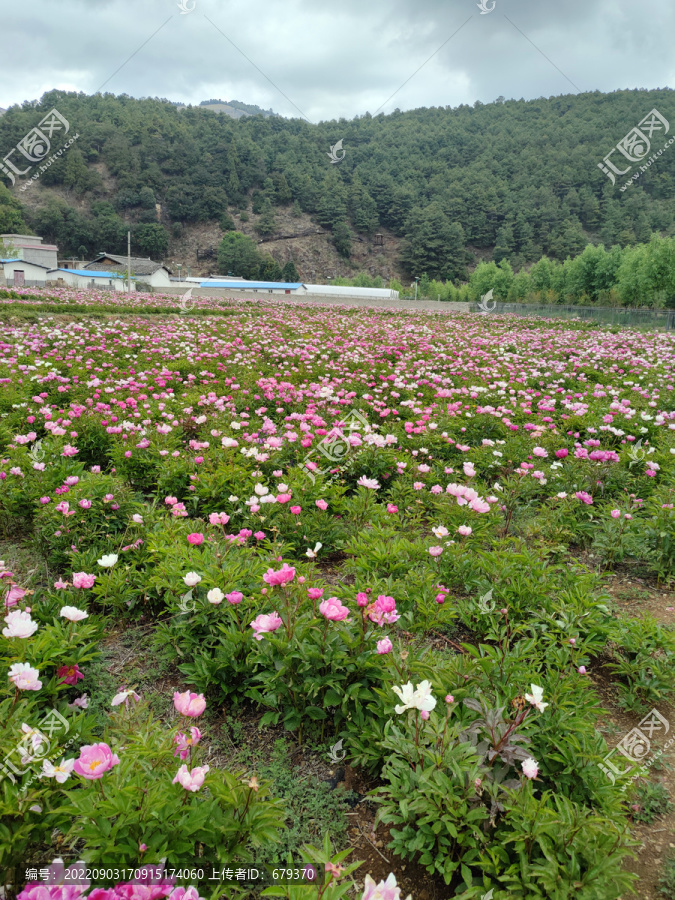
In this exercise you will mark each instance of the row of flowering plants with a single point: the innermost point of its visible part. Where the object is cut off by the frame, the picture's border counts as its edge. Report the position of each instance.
(342, 520)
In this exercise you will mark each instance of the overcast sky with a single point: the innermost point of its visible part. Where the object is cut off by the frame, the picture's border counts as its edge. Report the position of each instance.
(334, 58)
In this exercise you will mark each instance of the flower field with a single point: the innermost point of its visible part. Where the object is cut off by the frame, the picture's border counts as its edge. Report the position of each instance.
(389, 538)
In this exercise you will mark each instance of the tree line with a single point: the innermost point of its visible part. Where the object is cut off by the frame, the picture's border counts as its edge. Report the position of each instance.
(511, 181)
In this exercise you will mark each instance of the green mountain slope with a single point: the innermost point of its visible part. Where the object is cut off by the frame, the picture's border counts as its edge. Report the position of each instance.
(508, 180)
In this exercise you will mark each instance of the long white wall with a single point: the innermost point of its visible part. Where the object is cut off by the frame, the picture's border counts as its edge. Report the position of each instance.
(329, 290)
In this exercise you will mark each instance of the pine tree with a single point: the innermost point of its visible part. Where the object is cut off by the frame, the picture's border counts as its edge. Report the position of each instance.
(505, 243)
(433, 245)
(266, 224)
(332, 205)
(239, 255)
(269, 270)
(289, 272)
(342, 239)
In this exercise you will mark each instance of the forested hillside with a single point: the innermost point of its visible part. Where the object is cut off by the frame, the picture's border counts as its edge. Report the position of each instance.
(509, 180)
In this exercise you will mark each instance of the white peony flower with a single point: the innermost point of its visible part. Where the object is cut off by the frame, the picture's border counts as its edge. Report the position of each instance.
(536, 697)
(215, 596)
(191, 579)
(108, 561)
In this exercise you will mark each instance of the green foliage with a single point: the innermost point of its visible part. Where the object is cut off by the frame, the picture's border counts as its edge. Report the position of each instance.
(313, 811)
(151, 240)
(11, 216)
(269, 270)
(97, 528)
(649, 802)
(289, 273)
(56, 643)
(136, 802)
(434, 244)
(667, 880)
(195, 163)
(227, 222)
(643, 654)
(466, 809)
(238, 254)
(342, 239)
(335, 888)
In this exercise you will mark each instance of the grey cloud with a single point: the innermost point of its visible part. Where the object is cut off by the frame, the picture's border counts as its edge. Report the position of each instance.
(337, 59)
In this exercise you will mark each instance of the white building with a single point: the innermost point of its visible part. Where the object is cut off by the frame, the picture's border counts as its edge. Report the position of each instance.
(336, 290)
(144, 270)
(87, 279)
(266, 287)
(20, 273)
(30, 248)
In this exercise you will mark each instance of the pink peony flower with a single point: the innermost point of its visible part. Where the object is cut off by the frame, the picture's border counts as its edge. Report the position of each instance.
(85, 504)
(322, 504)
(95, 760)
(391, 509)
(73, 614)
(191, 780)
(66, 884)
(14, 594)
(384, 646)
(219, 518)
(82, 580)
(234, 597)
(19, 624)
(333, 610)
(296, 510)
(189, 703)
(24, 677)
(181, 893)
(123, 697)
(196, 538)
(530, 768)
(385, 890)
(79, 702)
(371, 483)
(562, 453)
(183, 743)
(283, 498)
(285, 575)
(435, 551)
(465, 530)
(615, 513)
(69, 674)
(315, 593)
(584, 497)
(362, 599)
(264, 624)
(383, 611)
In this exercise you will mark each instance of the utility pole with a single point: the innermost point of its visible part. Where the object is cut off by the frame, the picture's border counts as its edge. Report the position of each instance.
(129, 263)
